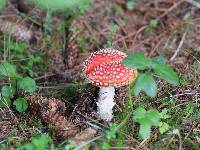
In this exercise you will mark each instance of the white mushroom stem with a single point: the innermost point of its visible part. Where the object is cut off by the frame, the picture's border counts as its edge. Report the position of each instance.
(105, 103)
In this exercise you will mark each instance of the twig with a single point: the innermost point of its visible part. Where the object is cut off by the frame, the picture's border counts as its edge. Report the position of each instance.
(170, 9)
(184, 35)
(198, 60)
(45, 76)
(120, 25)
(186, 92)
(142, 143)
(131, 34)
(180, 44)
(176, 132)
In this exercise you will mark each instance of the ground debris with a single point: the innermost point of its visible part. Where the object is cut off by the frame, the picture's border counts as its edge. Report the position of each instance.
(20, 32)
(120, 97)
(7, 122)
(31, 10)
(85, 107)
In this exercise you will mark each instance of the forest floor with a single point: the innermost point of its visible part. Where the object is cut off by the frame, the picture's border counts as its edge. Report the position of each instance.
(168, 28)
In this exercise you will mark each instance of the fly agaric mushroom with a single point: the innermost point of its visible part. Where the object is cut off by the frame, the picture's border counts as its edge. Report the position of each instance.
(104, 69)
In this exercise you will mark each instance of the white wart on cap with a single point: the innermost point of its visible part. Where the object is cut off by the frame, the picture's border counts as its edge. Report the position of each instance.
(104, 68)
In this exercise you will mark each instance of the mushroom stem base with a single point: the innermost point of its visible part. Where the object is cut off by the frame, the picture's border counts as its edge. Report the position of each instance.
(106, 103)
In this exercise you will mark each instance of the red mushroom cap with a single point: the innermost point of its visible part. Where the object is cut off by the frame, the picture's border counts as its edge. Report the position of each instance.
(104, 68)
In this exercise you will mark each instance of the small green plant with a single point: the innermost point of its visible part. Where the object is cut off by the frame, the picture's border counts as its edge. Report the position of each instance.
(131, 4)
(20, 104)
(9, 73)
(150, 118)
(149, 68)
(18, 53)
(163, 126)
(110, 134)
(39, 143)
(12, 81)
(152, 24)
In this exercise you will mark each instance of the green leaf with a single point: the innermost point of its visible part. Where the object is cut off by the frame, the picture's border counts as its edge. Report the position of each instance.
(8, 70)
(138, 114)
(164, 114)
(61, 4)
(111, 134)
(42, 142)
(21, 104)
(146, 83)
(137, 60)
(142, 116)
(27, 84)
(28, 146)
(157, 60)
(7, 91)
(130, 4)
(105, 146)
(18, 47)
(153, 116)
(167, 73)
(38, 143)
(4, 102)
(2, 4)
(190, 107)
(113, 28)
(163, 127)
(145, 130)
(153, 23)
(146, 119)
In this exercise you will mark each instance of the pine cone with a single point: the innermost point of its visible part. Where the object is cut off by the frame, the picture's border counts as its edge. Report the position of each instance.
(36, 102)
(8, 122)
(56, 106)
(61, 126)
(52, 112)
(39, 102)
(72, 54)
